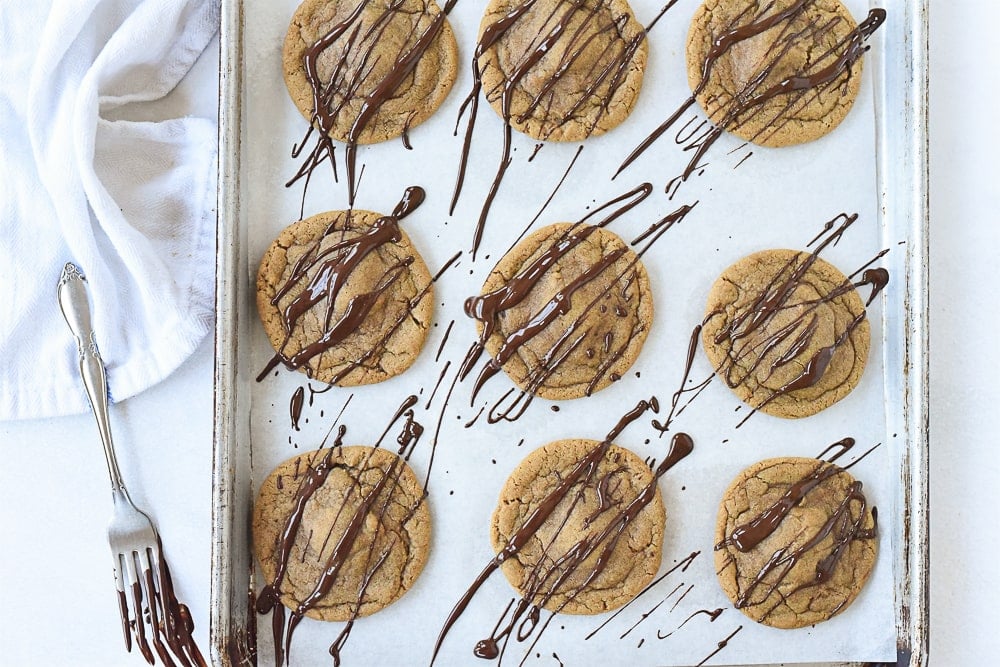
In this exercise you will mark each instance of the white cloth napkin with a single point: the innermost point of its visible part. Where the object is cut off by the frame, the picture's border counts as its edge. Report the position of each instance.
(132, 203)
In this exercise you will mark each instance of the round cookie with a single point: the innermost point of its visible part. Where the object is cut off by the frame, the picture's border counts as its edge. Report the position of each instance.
(612, 308)
(396, 525)
(619, 478)
(772, 321)
(380, 314)
(811, 39)
(585, 84)
(372, 44)
(814, 562)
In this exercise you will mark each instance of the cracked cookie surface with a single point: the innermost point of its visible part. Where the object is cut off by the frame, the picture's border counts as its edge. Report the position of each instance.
(587, 509)
(352, 68)
(772, 321)
(389, 550)
(588, 81)
(386, 341)
(599, 336)
(800, 46)
(815, 561)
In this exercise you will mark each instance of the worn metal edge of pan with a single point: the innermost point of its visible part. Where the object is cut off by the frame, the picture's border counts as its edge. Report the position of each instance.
(900, 69)
(232, 633)
(903, 179)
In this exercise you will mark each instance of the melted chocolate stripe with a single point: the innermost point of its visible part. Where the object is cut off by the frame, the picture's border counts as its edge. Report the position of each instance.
(525, 624)
(537, 517)
(752, 533)
(843, 446)
(569, 58)
(787, 558)
(332, 268)
(546, 579)
(675, 398)
(712, 615)
(645, 615)
(558, 305)
(384, 91)
(510, 82)
(354, 314)
(548, 201)
(721, 645)
(719, 47)
(487, 307)
(797, 334)
(606, 539)
(558, 353)
(347, 540)
(373, 503)
(612, 76)
(414, 302)
(490, 35)
(750, 100)
(793, 87)
(682, 566)
(747, 536)
(314, 478)
(347, 84)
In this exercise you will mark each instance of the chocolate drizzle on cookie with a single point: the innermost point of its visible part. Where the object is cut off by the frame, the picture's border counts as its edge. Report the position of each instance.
(605, 77)
(748, 332)
(522, 617)
(846, 523)
(354, 66)
(370, 506)
(826, 71)
(487, 308)
(319, 275)
(770, 301)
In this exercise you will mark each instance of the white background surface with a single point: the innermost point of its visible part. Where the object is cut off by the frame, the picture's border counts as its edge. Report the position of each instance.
(58, 607)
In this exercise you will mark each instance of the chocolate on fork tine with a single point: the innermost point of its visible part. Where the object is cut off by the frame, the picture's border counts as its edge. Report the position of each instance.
(145, 592)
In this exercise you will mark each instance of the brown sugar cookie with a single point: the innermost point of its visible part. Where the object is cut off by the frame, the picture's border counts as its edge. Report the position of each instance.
(753, 50)
(787, 332)
(550, 569)
(345, 298)
(570, 329)
(363, 498)
(795, 541)
(585, 83)
(397, 58)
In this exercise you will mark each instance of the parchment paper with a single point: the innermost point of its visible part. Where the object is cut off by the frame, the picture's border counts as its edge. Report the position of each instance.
(776, 198)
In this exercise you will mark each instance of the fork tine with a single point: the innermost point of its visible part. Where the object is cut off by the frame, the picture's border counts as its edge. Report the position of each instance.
(154, 603)
(138, 625)
(122, 601)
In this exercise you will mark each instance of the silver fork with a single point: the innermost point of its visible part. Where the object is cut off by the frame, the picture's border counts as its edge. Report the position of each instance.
(145, 591)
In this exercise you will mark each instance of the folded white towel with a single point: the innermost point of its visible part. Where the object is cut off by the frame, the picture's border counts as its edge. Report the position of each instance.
(131, 203)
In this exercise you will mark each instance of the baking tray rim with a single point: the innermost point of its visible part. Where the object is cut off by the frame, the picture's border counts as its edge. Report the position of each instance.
(901, 75)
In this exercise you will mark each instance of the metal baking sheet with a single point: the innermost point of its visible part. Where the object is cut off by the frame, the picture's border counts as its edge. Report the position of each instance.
(898, 71)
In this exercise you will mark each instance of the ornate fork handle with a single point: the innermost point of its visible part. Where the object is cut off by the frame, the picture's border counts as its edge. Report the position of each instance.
(75, 305)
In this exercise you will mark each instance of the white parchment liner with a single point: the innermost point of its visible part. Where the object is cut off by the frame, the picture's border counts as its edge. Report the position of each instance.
(777, 198)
